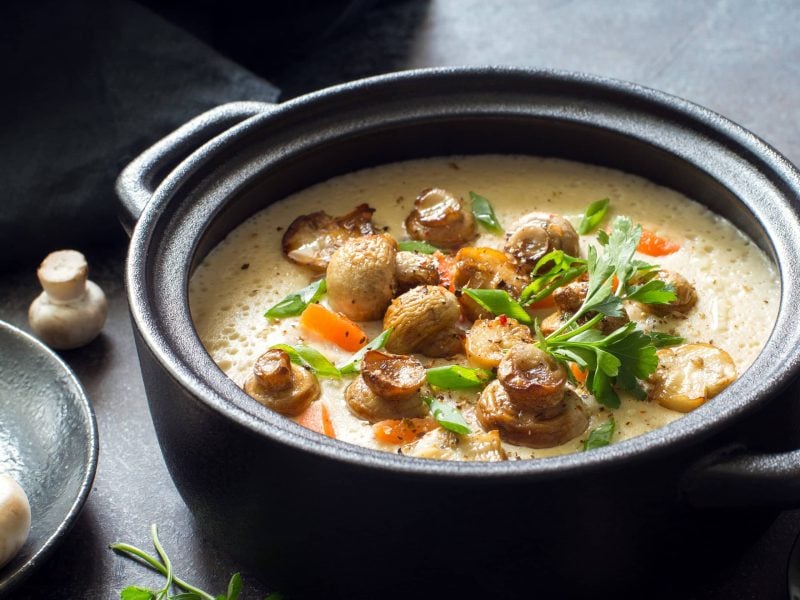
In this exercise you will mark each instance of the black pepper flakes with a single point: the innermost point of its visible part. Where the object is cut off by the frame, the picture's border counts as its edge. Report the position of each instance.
(245, 266)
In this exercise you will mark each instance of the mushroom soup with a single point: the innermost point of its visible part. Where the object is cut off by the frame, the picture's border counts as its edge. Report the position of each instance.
(517, 338)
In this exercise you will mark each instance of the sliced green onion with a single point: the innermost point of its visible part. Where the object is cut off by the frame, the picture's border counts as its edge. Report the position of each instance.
(593, 216)
(663, 340)
(296, 302)
(498, 302)
(456, 377)
(306, 356)
(354, 364)
(415, 246)
(600, 436)
(447, 416)
(484, 213)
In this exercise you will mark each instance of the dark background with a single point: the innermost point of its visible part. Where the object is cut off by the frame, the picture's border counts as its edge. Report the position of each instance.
(88, 85)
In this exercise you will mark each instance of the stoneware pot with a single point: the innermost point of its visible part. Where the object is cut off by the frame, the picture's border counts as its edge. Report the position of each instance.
(313, 513)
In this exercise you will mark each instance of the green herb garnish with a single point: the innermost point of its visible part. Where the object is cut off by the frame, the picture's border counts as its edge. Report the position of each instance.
(415, 246)
(296, 302)
(306, 356)
(663, 340)
(600, 436)
(563, 269)
(447, 416)
(456, 377)
(593, 216)
(354, 364)
(484, 213)
(163, 565)
(499, 302)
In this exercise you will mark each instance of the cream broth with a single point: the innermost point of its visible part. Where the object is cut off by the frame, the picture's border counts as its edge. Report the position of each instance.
(737, 286)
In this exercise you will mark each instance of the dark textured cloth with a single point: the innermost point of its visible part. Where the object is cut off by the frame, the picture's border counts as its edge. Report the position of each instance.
(87, 85)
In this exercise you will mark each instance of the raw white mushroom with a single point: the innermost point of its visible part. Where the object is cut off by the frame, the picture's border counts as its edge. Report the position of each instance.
(15, 518)
(71, 310)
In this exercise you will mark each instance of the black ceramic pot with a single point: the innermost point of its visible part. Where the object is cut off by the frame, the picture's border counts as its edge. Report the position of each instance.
(313, 513)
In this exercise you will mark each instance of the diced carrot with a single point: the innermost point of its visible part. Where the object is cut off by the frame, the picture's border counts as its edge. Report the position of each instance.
(655, 245)
(446, 265)
(333, 326)
(546, 302)
(317, 418)
(579, 374)
(402, 431)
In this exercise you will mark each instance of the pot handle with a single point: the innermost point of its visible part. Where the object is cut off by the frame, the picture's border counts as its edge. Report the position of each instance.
(735, 478)
(138, 181)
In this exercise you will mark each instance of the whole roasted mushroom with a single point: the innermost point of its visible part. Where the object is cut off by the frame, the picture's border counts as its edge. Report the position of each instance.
(686, 296)
(413, 269)
(421, 316)
(484, 268)
(388, 388)
(361, 277)
(536, 234)
(310, 240)
(529, 403)
(441, 219)
(280, 385)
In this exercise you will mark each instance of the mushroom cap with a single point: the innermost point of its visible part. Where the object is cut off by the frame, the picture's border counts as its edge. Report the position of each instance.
(441, 444)
(484, 268)
(366, 404)
(536, 234)
(361, 277)
(488, 340)
(529, 428)
(686, 296)
(441, 218)
(63, 275)
(290, 400)
(15, 518)
(531, 378)
(419, 315)
(413, 269)
(66, 325)
(392, 375)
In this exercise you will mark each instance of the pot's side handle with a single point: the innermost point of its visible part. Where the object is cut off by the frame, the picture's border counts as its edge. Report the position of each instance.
(736, 478)
(137, 182)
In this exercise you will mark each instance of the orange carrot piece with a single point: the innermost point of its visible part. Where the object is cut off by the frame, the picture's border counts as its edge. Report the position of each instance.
(402, 431)
(655, 245)
(546, 302)
(317, 418)
(579, 374)
(446, 265)
(333, 327)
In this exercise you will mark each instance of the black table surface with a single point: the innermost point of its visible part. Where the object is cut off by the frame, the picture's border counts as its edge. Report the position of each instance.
(737, 57)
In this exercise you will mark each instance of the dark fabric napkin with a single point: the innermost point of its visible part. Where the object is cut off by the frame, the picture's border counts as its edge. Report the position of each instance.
(87, 85)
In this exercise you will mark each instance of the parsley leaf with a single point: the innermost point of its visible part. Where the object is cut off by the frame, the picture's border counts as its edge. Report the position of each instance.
(600, 436)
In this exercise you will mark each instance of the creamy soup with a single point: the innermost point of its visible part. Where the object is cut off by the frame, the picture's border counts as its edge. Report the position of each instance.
(736, 285)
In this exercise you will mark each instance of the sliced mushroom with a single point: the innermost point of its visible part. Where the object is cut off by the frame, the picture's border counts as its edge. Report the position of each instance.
(413, 269)
(536, 234)
(531, 378)
(361, 278)
(686, 296)
(392, 375)
(311, 239)
(524, 427)
(484, 268)
(280, 385)
(441, 219)
(418, 316)
(488, 341)
(689, 375)
(441, 444)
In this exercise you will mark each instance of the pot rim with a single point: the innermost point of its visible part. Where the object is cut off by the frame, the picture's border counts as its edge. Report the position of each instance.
(762, 381)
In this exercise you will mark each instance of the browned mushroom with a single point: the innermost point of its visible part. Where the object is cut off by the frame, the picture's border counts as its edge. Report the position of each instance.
(311, 239)
(280, 385)
(488, 341)
(529, 402)
(441, 444)
(441, 219)
(689, 375)
(569, 299)
(413, 269)
(361, 277)
(686, 296)
(536, 234)
(388, 388)
(420, 315)
(484, 268)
